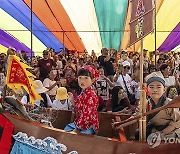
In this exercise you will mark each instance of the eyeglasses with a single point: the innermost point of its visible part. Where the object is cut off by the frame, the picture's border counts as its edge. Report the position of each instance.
(126, 67)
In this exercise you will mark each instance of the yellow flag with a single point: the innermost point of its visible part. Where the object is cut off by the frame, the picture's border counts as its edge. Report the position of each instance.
(18, 77)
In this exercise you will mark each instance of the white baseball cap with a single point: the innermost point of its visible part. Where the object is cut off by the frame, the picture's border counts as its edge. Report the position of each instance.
(125, 63)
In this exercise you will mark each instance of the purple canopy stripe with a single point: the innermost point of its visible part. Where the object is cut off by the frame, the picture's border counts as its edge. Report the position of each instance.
(172, 40)
(9, 41)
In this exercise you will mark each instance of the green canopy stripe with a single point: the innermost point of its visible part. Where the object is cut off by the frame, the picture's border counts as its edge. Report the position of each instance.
(111, 17)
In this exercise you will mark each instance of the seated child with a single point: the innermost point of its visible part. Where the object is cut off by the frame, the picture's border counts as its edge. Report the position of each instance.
(166, 121)
(61, 100)
(86, 115)
(103, 86)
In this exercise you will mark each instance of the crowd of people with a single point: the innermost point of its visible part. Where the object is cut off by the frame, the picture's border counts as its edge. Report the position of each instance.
(64, 79)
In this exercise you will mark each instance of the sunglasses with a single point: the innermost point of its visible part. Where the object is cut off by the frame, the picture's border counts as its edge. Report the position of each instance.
(173, 90)
(126, 67)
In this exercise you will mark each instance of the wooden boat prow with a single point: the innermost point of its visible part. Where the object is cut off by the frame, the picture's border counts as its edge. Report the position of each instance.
(88, 144)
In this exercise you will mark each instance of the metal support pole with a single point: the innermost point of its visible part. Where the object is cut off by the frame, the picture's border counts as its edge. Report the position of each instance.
(63, 42)
(155, 35)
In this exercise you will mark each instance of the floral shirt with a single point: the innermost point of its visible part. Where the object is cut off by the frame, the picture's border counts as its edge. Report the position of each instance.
(86, 110)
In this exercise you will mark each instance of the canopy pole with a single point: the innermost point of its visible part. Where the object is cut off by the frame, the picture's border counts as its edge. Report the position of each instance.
(155, 35)
(142, 121)
(63, 43)
(31, 31)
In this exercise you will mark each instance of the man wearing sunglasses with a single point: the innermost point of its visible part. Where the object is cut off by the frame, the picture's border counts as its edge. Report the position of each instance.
(124, 57)
(122, 75)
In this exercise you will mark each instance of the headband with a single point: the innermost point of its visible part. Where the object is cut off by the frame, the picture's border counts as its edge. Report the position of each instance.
(95, 73)
(155, 78)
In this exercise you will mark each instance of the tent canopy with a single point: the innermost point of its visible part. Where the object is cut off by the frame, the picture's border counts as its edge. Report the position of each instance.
(83, 25)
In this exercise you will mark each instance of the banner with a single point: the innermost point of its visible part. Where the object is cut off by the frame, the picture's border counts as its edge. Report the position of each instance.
(141, 23)
(18, 77)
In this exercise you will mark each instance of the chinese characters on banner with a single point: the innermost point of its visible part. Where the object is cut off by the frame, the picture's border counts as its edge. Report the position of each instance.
(141, 23)
(18, 77)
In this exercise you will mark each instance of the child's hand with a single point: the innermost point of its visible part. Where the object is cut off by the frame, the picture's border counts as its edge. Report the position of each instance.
(71, 98)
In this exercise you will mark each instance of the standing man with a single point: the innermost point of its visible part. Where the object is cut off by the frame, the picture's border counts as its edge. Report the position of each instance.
(45, 65)
(106, 61)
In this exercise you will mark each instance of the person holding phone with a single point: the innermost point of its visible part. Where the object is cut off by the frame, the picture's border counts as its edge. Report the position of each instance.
(169, 80)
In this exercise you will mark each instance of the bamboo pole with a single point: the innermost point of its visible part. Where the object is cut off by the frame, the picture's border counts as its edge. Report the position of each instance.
(144, 117)
(142, 121)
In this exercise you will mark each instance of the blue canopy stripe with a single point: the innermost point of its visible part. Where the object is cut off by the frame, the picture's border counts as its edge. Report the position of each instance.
(19, 11)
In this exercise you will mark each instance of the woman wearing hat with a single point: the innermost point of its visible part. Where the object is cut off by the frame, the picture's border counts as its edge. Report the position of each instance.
(41, 90)
(61, 100)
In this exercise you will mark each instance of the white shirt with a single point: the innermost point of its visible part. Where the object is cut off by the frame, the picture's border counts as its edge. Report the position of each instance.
(48, 83)
(37, 102)
(170, 81)
(120, 82)
(59, 105)
(136, 86)
(59, 65)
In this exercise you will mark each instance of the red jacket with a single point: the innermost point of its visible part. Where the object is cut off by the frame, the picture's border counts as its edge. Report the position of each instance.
(86, 110)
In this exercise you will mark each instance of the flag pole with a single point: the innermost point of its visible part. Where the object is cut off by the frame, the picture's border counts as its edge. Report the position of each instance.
(31, 31)
(142, 121)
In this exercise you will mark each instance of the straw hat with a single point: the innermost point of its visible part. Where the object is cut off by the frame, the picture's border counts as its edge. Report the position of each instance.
(40, 88)
(61, 93)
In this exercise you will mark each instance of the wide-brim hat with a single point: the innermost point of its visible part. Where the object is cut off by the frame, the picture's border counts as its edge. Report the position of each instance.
(61, 93)
(40, 88)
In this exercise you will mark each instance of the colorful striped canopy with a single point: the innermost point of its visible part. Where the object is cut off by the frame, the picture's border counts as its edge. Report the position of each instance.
(81, 25)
